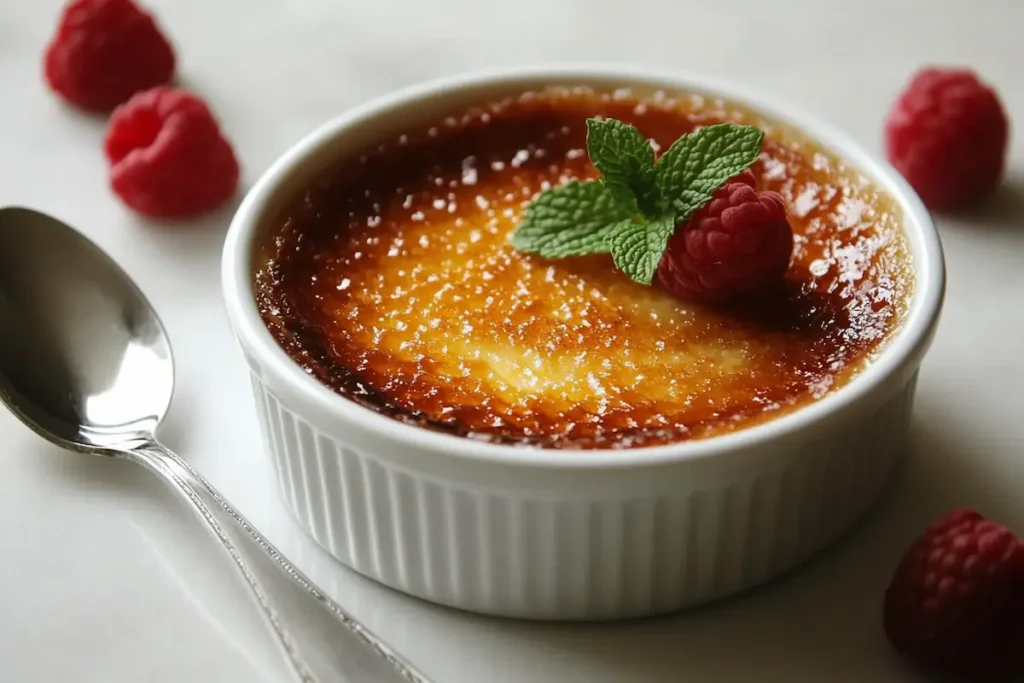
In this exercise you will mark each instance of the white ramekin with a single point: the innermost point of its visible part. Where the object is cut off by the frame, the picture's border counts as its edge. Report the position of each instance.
(571, 535)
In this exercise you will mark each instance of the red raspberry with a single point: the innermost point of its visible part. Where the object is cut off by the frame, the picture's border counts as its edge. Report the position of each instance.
(737, 243)
(947, 134)
(104, 52)
(955, 606)
(167, 156)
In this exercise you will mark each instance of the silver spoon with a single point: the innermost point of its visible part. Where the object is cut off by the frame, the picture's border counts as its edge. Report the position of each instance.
(85, 362)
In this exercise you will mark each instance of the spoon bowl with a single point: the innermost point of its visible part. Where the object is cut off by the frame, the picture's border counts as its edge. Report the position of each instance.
(86, 363)
(84, 358)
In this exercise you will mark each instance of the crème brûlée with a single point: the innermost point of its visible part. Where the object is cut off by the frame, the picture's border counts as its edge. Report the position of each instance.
(392, 281)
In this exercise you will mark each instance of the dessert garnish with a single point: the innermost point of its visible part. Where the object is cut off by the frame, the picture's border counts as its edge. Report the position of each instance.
(738, 243)
(167, 155)
(955, 606)
(105, 51)
(947, 134)
(692, 217)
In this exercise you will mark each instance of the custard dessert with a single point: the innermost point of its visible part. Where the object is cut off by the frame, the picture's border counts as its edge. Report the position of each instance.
(393, 281)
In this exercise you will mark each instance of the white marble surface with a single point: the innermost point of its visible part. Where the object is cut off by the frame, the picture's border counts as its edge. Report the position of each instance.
(105, 578)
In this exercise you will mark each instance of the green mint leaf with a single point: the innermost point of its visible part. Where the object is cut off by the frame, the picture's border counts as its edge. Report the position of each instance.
(637, 247)
(626, 162)
(696, 165)
(635, 207)
(570, 220)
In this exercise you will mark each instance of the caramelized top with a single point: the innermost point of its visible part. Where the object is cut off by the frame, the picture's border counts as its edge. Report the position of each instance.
(392, 282)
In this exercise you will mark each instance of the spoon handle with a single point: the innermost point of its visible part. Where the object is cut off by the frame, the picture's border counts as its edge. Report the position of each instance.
(259, 562)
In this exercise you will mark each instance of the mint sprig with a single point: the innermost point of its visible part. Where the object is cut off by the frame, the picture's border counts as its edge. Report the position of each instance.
(635, 206)
(637, 247)
(626, 161)
(696, 165)
(570, 220)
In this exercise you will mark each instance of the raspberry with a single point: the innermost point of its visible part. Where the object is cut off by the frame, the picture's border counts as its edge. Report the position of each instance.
(167, 156)
(104, 52)
(955, 606)
(947, 134)
(737, 243)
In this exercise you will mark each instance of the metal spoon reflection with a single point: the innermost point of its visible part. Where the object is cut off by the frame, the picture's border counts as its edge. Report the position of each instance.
(85, 362)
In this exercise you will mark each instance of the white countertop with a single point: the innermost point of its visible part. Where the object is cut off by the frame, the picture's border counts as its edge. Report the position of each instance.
(105, 578)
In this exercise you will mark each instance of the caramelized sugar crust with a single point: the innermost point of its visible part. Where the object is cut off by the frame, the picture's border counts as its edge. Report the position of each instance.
(391, 281)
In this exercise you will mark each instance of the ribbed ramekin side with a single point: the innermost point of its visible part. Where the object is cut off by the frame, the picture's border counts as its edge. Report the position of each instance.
(514, 553)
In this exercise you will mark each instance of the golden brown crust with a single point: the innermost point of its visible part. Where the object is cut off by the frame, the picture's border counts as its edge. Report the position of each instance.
(392, 282)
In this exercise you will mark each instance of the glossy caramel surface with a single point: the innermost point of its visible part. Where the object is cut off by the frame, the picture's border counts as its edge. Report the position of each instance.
(392, 282)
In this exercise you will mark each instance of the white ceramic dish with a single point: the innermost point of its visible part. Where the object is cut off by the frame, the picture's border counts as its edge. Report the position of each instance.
(583, 535)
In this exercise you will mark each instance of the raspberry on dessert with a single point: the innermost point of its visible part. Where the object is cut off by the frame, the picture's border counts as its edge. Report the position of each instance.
(104, 52)
(955, 606)
(167, 155)
(747, 178)
(735, 244)
(947, 134)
